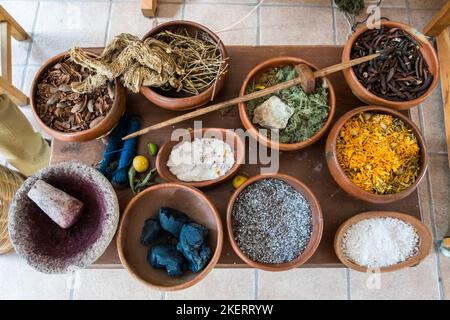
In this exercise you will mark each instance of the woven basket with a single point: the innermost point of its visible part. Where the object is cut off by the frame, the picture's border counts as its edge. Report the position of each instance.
(10, 181)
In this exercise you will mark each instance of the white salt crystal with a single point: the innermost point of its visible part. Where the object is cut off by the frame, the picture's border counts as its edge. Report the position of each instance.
(380, 242)
(272, 114)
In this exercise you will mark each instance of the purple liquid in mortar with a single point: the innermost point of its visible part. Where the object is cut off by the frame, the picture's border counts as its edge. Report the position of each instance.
(50, 239)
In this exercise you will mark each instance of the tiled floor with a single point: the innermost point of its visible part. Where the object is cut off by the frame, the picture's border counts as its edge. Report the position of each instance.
(57, 25)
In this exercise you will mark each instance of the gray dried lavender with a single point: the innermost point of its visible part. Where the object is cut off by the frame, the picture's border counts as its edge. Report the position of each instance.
(400, 73)
(272, 222)
(64, 110)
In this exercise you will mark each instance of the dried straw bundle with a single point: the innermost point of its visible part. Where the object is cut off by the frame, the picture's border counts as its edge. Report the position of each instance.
(137, 63)
(168, 61)
(10, 181)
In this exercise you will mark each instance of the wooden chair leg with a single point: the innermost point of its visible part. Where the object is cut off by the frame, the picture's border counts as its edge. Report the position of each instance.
(5, 53)
(17, 96)
(9, 27)
(439, 23)
(148, 7)
(443, 44)
(16, 30)
(439, 27)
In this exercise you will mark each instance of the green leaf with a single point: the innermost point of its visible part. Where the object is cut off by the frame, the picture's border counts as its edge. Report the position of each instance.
(131, 176)
(146, 181)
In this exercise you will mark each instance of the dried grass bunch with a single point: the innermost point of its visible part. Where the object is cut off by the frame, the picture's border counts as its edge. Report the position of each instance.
(170, 60)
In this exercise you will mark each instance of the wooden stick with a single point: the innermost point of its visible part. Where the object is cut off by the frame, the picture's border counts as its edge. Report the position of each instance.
(251, 96)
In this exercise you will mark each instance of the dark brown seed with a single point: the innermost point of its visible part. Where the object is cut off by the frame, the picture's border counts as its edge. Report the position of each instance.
(90, 105)
(95, 122)
(110, 90)
(390, 74)
(62, 105)
(77, 107)
(53, 99)
(64, 88)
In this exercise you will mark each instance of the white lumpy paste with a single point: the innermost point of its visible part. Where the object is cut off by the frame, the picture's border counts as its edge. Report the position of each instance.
(201, 160)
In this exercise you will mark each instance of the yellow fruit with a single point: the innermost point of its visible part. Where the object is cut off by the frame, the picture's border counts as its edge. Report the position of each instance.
(238, 181)
(140, 164)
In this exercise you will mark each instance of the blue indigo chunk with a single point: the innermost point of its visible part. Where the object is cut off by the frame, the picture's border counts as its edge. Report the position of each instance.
(172, 220)
(193, 246)
(150, 231)
(166, 256)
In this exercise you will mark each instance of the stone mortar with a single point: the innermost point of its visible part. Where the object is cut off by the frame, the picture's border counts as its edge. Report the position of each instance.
(42, 243)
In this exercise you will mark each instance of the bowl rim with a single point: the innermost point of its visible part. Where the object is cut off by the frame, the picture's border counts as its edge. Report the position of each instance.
(69, 136)
(253, 130)
(123, 224)
(168, 146)
(425, 240)
(317, 223)
(350, 76)
(211, 91)
(341, 178)
(97, 249)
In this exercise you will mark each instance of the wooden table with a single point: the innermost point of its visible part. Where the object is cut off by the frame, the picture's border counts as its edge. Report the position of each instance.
(308, 165)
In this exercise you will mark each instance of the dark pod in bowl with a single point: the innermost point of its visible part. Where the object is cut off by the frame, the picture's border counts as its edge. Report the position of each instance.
(46, 246)
(429, 57)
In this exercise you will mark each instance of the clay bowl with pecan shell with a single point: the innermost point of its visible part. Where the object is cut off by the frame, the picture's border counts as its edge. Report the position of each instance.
(169, 101)
(341, 178)
(358, 89)
(101, 129)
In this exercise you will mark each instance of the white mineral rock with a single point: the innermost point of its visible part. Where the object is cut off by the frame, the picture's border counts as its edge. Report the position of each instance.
(272, 114)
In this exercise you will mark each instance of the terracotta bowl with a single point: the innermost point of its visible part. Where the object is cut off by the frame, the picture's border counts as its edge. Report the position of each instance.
(228, 136)
(51, 249)
(146, 205)
(425, 240)
(164, 100)
(103, 128)
(317, 222)
(341, 178)
(364, 95)
(253, 130)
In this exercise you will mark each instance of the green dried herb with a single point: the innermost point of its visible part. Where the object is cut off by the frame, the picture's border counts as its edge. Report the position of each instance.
(131, 178)
(145, 183)
(310, 110)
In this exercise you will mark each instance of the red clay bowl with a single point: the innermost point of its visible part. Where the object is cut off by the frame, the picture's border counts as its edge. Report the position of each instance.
(253, 130)
(146, 204)
(364, 95)
(425, 240)
(103, 128)
(46, 246)
(317, 222)
(341, 178)
(228, 136)
(185, 103)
